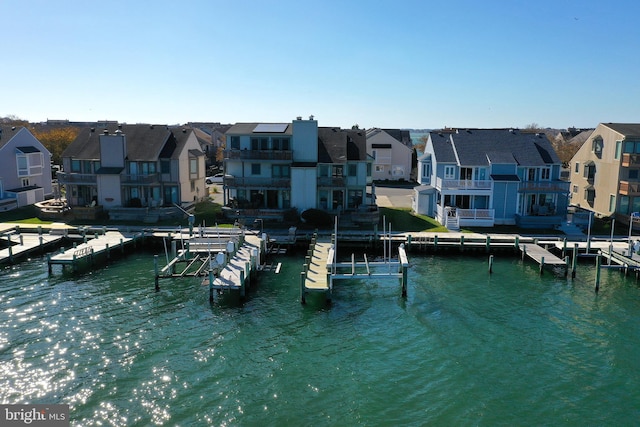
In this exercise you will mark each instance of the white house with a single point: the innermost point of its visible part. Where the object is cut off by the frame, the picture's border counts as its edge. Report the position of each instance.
(25, 168)
(392, 151)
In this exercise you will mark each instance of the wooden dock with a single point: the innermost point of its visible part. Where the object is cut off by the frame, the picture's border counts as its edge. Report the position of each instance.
(321, 268)
(94, 246)
(22, 244)
(542, 256)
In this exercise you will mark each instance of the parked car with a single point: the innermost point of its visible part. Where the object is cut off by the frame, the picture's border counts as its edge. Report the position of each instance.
(215, 179)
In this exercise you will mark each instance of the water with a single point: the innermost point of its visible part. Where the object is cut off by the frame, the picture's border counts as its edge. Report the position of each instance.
(464, 348)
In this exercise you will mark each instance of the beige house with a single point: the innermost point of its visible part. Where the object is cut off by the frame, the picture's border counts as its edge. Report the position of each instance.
(605, 172)
(392, 151)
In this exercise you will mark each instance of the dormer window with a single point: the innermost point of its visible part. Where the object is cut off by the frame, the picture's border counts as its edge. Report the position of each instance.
(596, 145)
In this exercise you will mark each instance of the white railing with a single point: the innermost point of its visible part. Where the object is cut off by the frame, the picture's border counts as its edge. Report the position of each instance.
(463, 184)
(476, 213)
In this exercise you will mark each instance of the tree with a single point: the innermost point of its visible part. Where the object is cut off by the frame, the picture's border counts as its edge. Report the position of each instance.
(56, 140)
(12, 120)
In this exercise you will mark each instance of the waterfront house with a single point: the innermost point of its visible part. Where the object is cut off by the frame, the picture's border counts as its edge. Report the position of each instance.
(392, 151)
(486, 177)
(133, 171)
(25, 168)
(605, 171)
(274, 167)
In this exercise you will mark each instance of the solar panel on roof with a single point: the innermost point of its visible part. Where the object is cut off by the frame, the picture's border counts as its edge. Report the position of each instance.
(271, 127)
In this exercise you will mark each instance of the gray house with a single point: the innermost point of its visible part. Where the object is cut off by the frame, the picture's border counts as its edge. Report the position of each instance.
(25, 168)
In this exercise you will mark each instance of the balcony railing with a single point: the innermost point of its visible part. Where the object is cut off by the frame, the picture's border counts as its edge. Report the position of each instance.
(544, 186)
(463, 184)
(140, 179)
(76, 178)
(628, 188)
(331, 181)
(630, 160)
(258, 155)
(231, 181)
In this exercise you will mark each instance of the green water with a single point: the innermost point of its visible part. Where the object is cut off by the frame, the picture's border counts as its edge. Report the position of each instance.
(464, 348)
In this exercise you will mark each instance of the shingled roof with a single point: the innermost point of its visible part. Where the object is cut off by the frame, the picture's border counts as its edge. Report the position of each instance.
(337, 145)
(477, 147)
(626, 129)
(144, 142)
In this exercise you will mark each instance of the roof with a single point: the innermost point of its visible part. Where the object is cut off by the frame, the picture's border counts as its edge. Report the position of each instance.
(268, 128)
(626, 129)
(7, 132)
(402, 136)
(144, 142)
(477, 147)
(337, 145)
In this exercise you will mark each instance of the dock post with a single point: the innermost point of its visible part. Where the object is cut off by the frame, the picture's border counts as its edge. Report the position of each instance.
(10, 251)
(488, 243)
(541, 265)
(490, 264)
(211, 286)
(564, 247)
(41, 241)
(74, 245)
(566, 266)
(517, 243)
(574, 261)
(122, 244)
(84, 238)
(50, 270)
(597, 272)
(242, 287)
(435, 242)
(302, 296)
(461, 243)
(409, 242)
(155, 269)
(104, 230)
(22, 240)
(524, 252)
(40, 230)
(611, 254)
(106, 248)
(626, 269)
(405, 270)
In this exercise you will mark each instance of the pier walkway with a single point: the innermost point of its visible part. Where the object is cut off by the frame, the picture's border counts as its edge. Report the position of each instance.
(19, 244)
(316, 275)
(101, 244)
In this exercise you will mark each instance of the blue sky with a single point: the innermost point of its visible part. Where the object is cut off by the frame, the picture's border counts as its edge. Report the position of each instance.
(394, 64)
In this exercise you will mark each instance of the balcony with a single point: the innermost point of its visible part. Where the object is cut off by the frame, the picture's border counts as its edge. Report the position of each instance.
(76, 178)
(258, 155)
(628, 188)
(463, 185)
(630, 160)
(262, 182)
(140, 179)
(544, 187)
(331, 181)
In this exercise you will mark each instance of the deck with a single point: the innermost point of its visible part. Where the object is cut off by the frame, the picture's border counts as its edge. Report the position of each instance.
(316, 277)
(101, 244)
(239, 270)
(23, 244)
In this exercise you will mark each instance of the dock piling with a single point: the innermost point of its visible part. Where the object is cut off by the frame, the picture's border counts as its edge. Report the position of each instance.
(302, 296)
(155, 269)
(597, 272)
(490, 264)
(541, 265)
(574, 261)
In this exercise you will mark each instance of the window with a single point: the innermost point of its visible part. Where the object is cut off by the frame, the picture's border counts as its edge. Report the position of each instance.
(280, 171)
(368, 169)
(75, 166)
(193, 168)
(165, 166)
(577, 169)
(596, 145)
(618, 149)
(623, 206)
(545, 173)
(612, 203)
(575, 188)
(628, 147)
(255, 168)
(235, 142)
(449, 172)
(25, 182)
(338, 171)
(379, 168)
(352, 170)
(323, 170)
(373, 154)
(633, 174)
(531, 174)
(280, 144)
(23, 165)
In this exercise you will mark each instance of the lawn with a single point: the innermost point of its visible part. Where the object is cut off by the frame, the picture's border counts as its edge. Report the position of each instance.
(402, 219)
